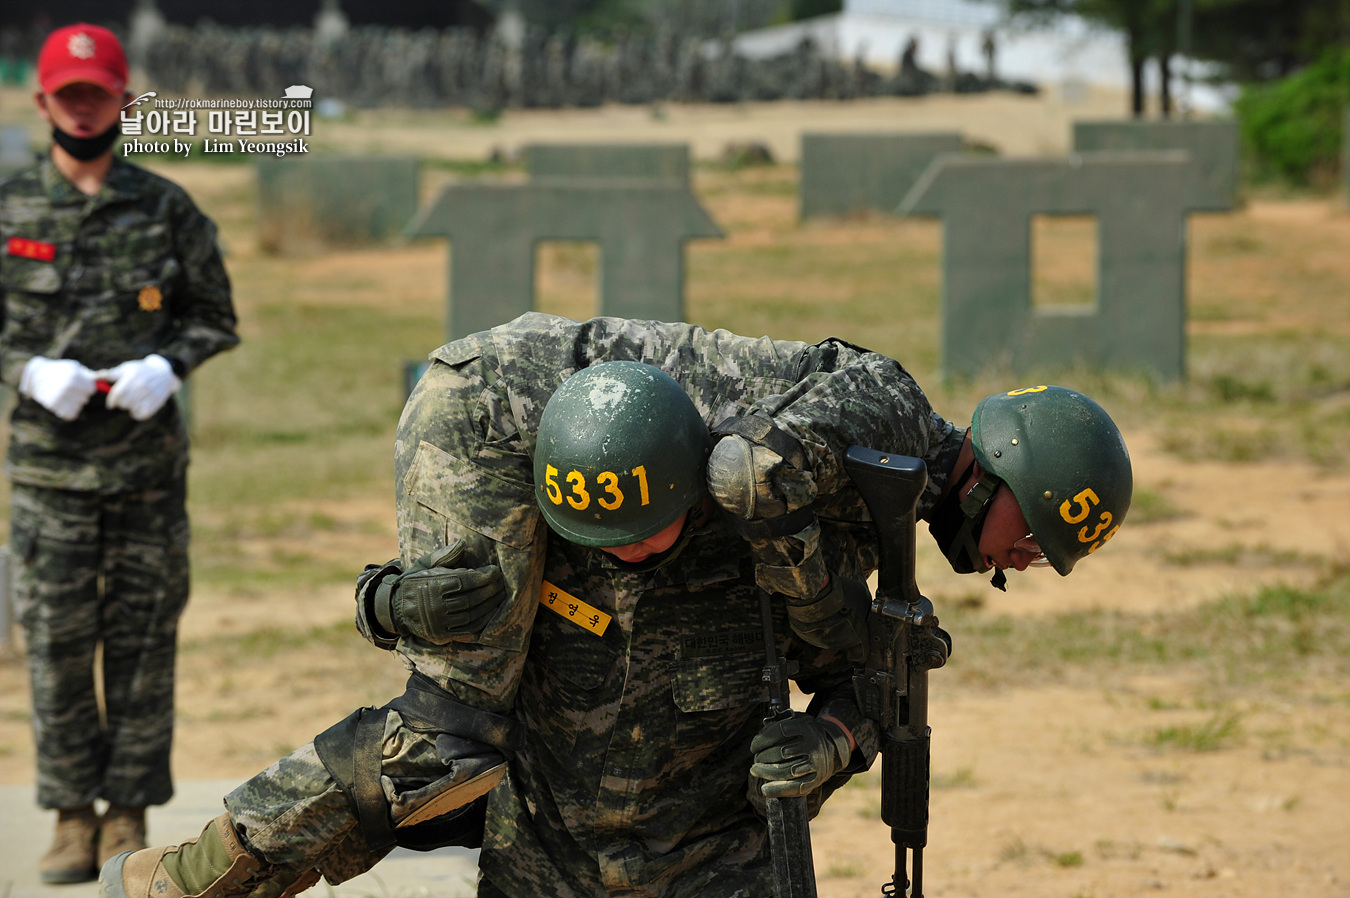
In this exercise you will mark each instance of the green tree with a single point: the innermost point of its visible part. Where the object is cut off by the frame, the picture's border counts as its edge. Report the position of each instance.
(1150, 28)
(1251, 40)
(1262, 40)
(1292, 128)
(806, 9)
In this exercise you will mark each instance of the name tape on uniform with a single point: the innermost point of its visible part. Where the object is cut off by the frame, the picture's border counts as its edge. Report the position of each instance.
(569, 606)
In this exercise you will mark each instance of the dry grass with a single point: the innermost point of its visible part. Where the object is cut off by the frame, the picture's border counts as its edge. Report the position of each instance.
(1175, 718)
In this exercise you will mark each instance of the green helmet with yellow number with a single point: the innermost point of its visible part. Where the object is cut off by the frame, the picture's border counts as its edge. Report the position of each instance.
(1065, 461)
(620, 454)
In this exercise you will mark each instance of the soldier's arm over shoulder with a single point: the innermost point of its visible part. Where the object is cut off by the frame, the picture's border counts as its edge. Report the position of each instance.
(847, 396)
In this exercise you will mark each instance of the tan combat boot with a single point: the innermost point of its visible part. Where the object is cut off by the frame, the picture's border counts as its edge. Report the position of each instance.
(71, 857)
(214, 864)
(123, 829)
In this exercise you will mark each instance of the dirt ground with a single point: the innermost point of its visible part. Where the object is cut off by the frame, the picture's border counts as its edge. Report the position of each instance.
(1039, 789)
(1044, 790)
(1014, 125)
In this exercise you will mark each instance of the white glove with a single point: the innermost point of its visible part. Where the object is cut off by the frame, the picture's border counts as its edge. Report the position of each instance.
(141, 386)
(61, 386)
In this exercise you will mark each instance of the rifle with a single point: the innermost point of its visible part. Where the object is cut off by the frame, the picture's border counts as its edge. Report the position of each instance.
(794, 871)
(904, 643)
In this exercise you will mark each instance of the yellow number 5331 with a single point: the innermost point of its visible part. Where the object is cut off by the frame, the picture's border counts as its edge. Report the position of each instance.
(578, 496)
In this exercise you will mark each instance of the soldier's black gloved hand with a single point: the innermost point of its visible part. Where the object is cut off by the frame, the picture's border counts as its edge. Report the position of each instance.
(753, 482)
(836, 618)
(757, 485)
(432, 600)
(798, 754)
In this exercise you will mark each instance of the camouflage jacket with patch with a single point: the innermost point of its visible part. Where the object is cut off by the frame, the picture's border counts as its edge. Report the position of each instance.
(130, 271)
(464, 451)
(634, 777)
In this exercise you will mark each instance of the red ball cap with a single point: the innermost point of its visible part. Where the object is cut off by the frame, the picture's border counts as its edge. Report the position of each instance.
(79, 54)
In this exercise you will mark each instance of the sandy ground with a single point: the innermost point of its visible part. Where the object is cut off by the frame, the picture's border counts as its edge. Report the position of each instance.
(1014, 125)
(1040, 789)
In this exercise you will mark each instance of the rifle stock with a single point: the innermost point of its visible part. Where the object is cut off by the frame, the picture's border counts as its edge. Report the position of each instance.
(904, 644)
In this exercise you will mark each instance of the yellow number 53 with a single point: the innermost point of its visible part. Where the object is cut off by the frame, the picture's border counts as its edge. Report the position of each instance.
(1076, 510)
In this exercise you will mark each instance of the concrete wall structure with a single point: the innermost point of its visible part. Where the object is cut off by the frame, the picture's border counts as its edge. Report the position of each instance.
(1140, 201)
(1213, 145)
(665, 162)
(844, 173)
(641, 228)
(334, 199)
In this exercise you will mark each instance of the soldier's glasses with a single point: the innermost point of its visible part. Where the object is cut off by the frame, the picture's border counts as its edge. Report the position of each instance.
(1028, 544)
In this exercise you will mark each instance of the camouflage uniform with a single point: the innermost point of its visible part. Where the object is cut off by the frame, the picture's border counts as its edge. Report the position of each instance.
(98, 527)
(634, 777)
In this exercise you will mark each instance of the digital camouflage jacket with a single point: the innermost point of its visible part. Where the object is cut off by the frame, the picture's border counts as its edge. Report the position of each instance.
(130, 271)
(634, 777)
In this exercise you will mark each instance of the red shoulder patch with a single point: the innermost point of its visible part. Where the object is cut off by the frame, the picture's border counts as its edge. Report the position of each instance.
(31, 249)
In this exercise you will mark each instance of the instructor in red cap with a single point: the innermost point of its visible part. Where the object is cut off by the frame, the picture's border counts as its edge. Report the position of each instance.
(112, 290)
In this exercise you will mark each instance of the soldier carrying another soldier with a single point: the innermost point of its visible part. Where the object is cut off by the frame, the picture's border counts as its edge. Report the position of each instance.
(578, 600)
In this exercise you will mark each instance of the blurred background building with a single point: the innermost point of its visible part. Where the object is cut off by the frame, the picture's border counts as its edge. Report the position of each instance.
(940, 36)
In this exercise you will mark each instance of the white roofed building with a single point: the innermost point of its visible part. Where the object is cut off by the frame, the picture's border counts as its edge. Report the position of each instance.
(1067, 53)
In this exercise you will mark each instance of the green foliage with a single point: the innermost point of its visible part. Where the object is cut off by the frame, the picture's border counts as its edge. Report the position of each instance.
(1277, 631)
(1239, 554)
(1149, 507)
(1015, 850)
(806, 9)
(485, 115)
(1293, 128)
(1211, 735)
(960, 778)
(845, 868)
(1260, 40)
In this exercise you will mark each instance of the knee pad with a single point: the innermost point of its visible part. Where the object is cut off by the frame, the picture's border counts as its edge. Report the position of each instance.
(449, 811)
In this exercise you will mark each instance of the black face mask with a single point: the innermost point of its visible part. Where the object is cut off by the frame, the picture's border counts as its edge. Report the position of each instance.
(86, 148)
(958, 522)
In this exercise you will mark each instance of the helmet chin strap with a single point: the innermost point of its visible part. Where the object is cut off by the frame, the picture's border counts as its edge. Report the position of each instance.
(975, 506)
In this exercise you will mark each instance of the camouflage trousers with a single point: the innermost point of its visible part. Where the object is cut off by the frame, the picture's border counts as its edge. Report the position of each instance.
(101, 570)
(294, 815)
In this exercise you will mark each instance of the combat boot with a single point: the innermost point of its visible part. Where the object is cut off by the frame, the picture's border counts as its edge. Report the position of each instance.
(122, 830)
(71, 857)
(215, 865)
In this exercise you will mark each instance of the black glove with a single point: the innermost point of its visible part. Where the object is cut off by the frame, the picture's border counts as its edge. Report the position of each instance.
(432, 600)
(798, 754)
(366, 623)
(835, 619)
(753, 482)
